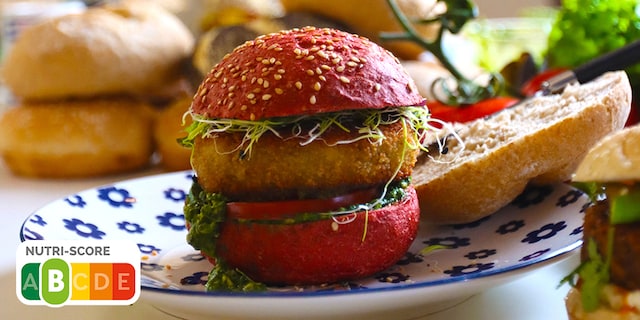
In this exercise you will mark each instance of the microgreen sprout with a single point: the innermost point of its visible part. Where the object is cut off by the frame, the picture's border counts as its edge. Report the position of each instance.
(310, 128)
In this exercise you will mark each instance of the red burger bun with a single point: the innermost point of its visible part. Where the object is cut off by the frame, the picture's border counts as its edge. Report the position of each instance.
(322, 251)
(304, 71)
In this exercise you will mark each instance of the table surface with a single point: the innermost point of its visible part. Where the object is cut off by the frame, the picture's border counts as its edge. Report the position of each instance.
(534, 296)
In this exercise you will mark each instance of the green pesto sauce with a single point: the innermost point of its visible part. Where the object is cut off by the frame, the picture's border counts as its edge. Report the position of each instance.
(205, 213)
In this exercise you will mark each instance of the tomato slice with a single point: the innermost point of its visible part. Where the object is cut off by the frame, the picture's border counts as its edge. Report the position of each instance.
(285, 208)
(466, 113)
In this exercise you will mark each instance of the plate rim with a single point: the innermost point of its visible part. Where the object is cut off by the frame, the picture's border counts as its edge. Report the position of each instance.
(550, 258)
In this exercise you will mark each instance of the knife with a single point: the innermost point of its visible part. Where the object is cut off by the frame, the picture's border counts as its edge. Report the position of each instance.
(618, 59)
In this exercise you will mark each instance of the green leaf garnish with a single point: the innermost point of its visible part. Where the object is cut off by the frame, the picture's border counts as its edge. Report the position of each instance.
(593, 272)
(625, 207)
(428, 249)
(593, 190)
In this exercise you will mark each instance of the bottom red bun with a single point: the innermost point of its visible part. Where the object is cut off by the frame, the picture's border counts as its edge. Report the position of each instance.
(322, 251)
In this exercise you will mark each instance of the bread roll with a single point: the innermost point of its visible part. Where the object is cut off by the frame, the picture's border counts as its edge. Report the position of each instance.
(615, 158)
(132, 47)
(503, 153)
(76, 138)
(167, 130)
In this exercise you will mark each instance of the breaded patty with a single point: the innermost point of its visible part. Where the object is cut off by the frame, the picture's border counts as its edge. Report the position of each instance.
(626, 245)
(279, 169)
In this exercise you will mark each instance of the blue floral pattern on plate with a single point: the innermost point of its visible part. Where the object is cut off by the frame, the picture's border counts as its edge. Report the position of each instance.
(542, 224)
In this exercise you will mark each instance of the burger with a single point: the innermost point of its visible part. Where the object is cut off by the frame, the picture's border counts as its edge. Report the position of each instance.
(606, 285)
(303, 143)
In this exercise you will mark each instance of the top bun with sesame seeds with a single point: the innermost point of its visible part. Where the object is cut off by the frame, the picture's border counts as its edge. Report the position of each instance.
(304, 71)
(303, 143)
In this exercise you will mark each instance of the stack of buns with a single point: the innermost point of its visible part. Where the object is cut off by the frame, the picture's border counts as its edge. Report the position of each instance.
(85, 86)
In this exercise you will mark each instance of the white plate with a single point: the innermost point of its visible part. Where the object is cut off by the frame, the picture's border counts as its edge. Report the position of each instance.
(538, 228)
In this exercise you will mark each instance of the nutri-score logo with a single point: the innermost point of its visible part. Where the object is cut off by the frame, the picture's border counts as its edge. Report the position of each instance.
(66, 272)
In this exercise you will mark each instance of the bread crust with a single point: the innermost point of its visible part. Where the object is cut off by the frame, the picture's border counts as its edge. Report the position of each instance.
(505, 152)
(132, 47)
(75, 139)
(304, 71)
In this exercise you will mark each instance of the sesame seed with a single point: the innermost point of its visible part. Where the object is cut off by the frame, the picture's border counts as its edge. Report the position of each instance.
(312, 100)
(340, 68)
(310, 72)
(266, 97)
(230, 105)
(260, 81)
(297, 51)
(344, 79)
(277, 76)
(272, 60)
(318, 71)
(317, 86)
(265, 84)
(310, 57)
(322, 54)
(298, 85)
(251, 96)
(252, 116)
(281, 71)
(243, 107)
(325, 67)
(322, 78)
(279, 91)
(265, 61)
(352, 64)
(335, 60)
(243, 78)
(377, 86)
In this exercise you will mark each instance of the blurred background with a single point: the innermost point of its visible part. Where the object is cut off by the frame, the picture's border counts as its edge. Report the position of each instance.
(522, 42)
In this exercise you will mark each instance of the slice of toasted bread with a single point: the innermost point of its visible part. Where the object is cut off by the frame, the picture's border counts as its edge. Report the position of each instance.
(541, 140)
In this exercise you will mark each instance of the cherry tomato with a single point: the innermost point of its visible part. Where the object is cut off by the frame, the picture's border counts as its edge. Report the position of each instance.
(634, 117)
(532, 86)
(466, 113)
(280, 209)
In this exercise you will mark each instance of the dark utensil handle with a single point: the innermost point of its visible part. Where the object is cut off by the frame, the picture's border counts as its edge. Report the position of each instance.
(615, 60)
